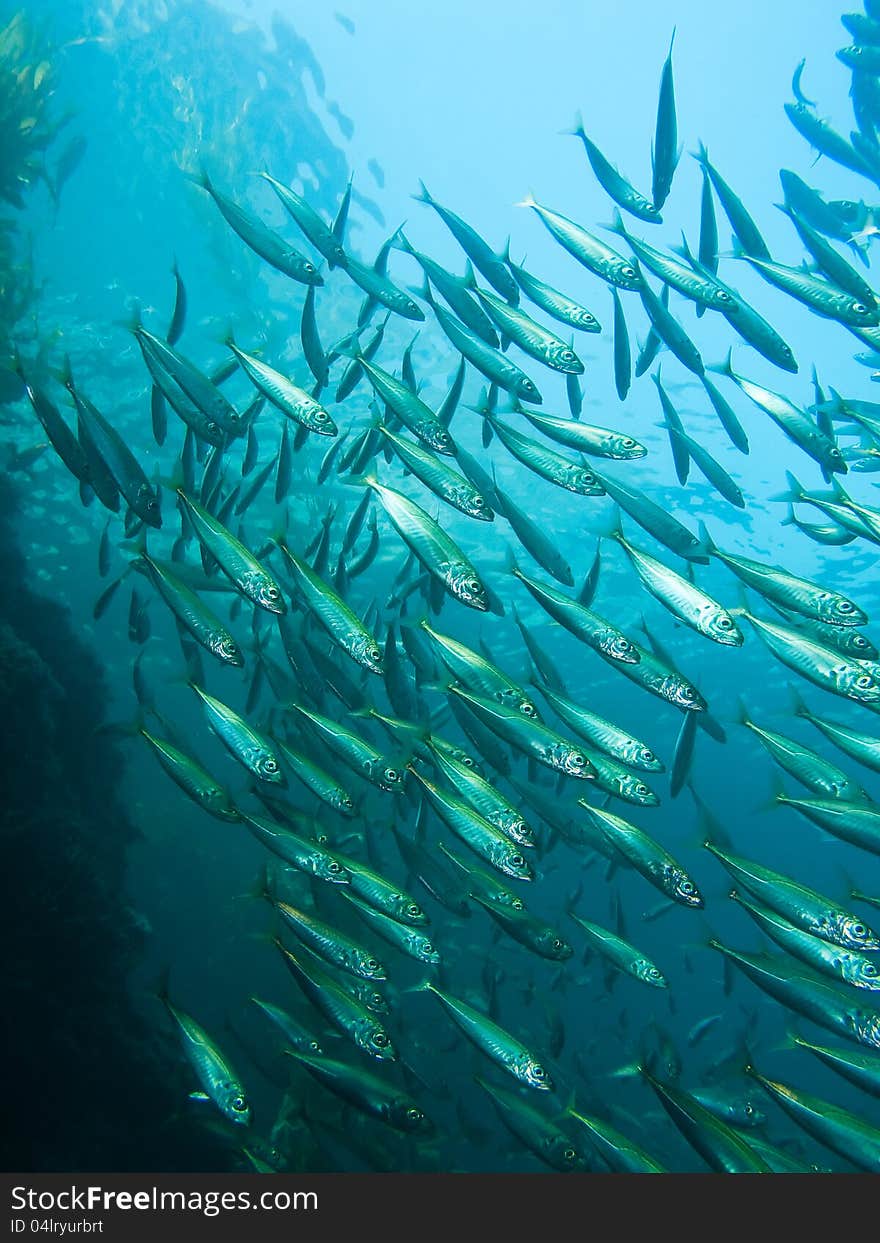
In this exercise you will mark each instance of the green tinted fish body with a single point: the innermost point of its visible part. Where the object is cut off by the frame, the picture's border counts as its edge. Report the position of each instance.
(286, 396)
(476, 832)
(436, 550)
(528, 735)
(554, 303)
(301, 852)
(595, 441)
(547, 1141)
(646, 856)
(494, 1041)
(264, 241)
(846, 966)
(213, 1071)
(246, 744)
(236, 561)
(809, 910)
(603, 734)
(344, 1011)
(359, 755)
(621, 953)
(529, 335)
(843, 1132)
(546, 462)
(590, 251)
(192, 778)
(840, 1010)
(367, 1093)
(342, 624)
(193, 614)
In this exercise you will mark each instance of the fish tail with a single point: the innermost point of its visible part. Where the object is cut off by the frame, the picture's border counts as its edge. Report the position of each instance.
(528, 201)
(798, 707)
(423, 195)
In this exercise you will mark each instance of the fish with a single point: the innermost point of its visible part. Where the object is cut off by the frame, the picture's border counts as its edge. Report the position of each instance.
(345, 1012)
(436, 550)
(555, 304)
(246, 744)
(356, 752)
(341, 623)
(366, 1092)
(286, 396)
(590, 251)
(620, 953)
(192, 778)
(614, 183)
(645, 855)
(494, 1041)
(816, 914)
(239, 565)
(262, 240)
(681, 597)
(479, 252)
(191, 612)
(321, 237)
(297, 849)
(826, 1004)
(665, 152)
(218, 1080)
(549, 1143)
(838, 1129)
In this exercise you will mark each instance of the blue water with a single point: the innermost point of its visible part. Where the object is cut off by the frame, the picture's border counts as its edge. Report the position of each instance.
(472, 101)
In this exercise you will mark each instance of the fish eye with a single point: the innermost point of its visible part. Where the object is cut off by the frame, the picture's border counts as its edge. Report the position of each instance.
(576, 760)
(628, 271)
(518, 904)
(474, 585)
(859, 640)
(321, 416)
(626, 443)
(687, 887)
(538, 1072)
(569, 1155)
(749, 1110)
(863, 682)
(391, 774)
(517, 860)
(333, 867)
(687, 692)
(567, 356)
(859, 930)
(725, 623)
(309, 267)
(844, 606)
(212, 427)
(869, 970)
(379, 1039)
(529, 709)
(374, 654)
(557, 944)
(270, 765)
(272, 592)
(413, 910)
(427, 947)
(646, 755)
(314, 1046)
(641, 789)
(239, 1104)
(414, 1115)
(859, 308)
(372, 964)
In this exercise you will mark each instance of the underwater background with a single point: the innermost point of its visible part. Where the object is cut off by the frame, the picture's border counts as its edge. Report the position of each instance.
(114, 875)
